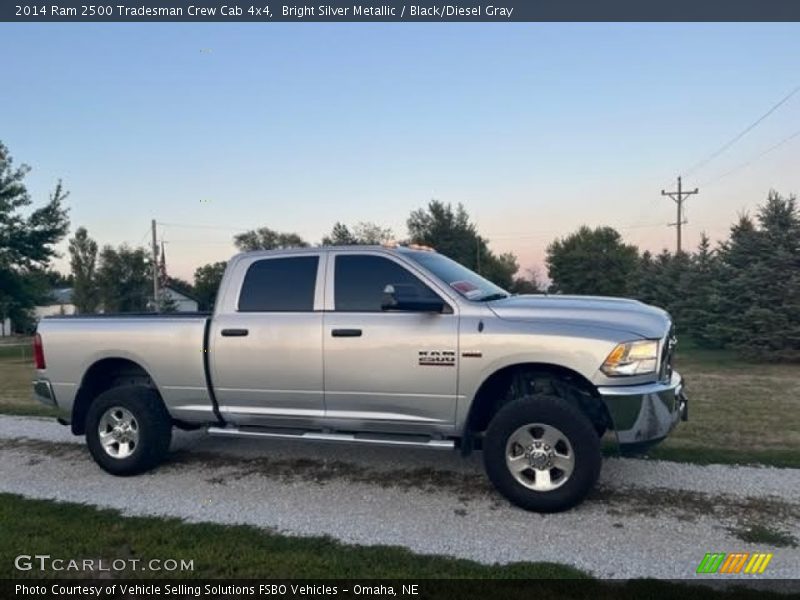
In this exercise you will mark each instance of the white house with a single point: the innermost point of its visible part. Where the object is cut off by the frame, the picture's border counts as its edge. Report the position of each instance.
(183, 303)
(60, 304)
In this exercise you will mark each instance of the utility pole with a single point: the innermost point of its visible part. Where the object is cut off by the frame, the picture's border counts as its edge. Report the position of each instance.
(678, 197)
(155, 265)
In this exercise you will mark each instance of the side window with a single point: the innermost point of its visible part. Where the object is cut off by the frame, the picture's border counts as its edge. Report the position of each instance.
(280, 285)
(361, 279)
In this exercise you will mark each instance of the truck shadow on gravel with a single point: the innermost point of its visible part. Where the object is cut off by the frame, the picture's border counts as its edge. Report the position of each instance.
(737, 515)
(469, 488)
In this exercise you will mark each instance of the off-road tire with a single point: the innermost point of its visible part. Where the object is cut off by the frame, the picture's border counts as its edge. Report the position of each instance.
(154, 429)
(554, 411)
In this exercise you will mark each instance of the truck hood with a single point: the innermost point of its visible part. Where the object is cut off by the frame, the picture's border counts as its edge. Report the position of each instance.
(620, 314)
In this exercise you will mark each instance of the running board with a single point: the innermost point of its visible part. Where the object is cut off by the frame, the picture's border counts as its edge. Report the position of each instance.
(319, 436)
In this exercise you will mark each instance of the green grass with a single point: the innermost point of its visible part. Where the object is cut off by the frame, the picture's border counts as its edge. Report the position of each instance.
(739, 412)
(20, 349)
(73, 530)
(16, 392)
(763, 534)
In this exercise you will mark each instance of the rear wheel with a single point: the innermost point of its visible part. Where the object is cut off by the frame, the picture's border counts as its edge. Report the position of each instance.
(128, 430)
(542, 453)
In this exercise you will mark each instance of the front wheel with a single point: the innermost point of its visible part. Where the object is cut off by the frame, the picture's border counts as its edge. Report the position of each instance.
(128, 430)
(542, 453)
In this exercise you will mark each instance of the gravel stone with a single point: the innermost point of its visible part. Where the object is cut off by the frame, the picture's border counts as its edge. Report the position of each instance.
(647, 518)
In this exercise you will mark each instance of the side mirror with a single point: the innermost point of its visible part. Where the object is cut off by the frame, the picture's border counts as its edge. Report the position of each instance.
(406, 297)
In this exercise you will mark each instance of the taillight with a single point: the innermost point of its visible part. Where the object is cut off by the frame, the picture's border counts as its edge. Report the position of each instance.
(38, 352)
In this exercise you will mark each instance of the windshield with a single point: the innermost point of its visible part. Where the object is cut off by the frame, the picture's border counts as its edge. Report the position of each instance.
(467, 283)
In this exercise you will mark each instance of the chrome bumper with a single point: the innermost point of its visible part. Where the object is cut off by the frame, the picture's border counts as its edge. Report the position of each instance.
(646, 413)
(43, 392)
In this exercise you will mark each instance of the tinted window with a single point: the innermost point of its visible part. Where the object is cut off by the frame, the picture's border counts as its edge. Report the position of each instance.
(360, 281)
(280, 284)
(467, 283)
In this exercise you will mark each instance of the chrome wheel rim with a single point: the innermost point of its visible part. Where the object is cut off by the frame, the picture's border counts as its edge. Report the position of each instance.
(119, 432)
(540, 457)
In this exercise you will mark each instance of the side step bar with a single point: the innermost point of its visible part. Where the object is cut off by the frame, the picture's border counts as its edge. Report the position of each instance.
(350, 438)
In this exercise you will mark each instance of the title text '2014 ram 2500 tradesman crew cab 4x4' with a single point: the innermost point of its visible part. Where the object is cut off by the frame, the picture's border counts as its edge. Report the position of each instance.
(374, 345)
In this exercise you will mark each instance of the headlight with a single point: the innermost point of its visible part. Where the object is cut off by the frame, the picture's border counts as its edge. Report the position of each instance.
(632, 358)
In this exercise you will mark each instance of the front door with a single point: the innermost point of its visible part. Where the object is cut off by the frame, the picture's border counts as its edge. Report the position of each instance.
(386, 370)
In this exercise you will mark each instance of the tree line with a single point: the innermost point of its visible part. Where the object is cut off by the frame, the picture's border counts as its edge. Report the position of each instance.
(742, 294)
(119, 279)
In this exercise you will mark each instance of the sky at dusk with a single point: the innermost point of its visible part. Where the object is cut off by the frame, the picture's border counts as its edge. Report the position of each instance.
(212, 129)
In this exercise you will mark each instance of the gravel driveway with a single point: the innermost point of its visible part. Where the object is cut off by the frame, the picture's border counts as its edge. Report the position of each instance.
(647, 518)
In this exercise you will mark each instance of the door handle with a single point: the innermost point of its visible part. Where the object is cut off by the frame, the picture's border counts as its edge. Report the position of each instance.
(234, 332)
(346, 332)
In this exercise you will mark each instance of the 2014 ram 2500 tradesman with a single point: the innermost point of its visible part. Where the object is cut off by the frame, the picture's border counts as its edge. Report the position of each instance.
(374, 345)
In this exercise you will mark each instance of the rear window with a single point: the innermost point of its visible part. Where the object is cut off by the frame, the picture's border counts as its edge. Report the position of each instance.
(280, 285)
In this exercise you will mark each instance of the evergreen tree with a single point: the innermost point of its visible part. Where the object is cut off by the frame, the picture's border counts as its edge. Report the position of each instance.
(768, 283)
(699, 296)
(739, 258)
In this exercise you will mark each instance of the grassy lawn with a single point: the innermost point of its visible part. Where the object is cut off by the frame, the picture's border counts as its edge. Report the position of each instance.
(16, 374)
(739, 412)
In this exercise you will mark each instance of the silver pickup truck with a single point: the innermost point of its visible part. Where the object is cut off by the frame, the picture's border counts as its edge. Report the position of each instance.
(374, 345)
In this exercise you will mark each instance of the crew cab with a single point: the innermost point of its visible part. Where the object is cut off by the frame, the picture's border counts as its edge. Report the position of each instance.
(392, 345)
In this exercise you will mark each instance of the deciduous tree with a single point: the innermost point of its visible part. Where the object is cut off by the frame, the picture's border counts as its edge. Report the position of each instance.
(83, 262)
(592, 261)
(206, 283)
(265, 238)
(27, 239)
(124, 279)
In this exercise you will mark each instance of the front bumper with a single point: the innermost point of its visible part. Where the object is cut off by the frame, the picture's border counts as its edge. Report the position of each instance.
(43, 392)
(643, 414)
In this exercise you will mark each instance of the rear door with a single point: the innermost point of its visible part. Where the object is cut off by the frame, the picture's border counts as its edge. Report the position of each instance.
(386, 370)
(266, 343)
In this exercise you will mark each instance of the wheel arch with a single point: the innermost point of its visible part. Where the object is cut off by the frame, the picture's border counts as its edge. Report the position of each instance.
(102, 375)
(495, 390)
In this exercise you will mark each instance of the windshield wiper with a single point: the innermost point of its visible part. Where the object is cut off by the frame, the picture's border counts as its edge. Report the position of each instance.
(490, 297)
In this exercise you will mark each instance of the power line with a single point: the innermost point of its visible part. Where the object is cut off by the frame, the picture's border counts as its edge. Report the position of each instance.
(741, 134)
(191, 226)
(747, 163)
(548, 232)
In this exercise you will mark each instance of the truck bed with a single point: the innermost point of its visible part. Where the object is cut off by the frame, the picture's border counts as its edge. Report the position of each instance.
(169, 346)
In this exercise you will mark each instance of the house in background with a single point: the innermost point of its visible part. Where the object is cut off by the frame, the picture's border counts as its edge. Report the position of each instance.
(60, 303)
(183, 302)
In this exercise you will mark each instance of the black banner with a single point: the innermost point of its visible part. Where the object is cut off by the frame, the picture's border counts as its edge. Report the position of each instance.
(424, 589)
(389, 11)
